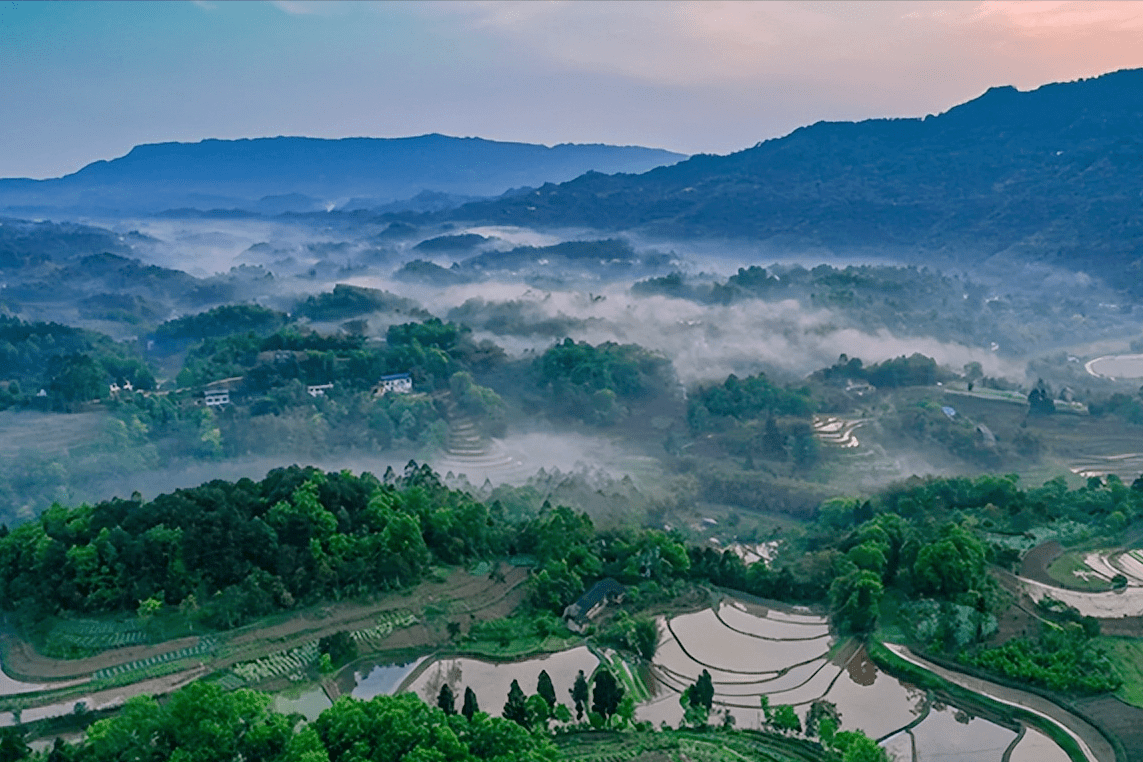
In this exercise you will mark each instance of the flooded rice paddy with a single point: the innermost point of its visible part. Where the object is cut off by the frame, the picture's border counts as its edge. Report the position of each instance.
(491, 681)
(1116, 366)
(382, 679)
(838, 432)
(751, 650)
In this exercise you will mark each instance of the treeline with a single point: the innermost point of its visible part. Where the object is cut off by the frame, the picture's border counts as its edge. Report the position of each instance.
(346, 302)
(176, 334)
(571, 555)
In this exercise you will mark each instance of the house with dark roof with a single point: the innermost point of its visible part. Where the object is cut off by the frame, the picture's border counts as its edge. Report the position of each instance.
(579, 614)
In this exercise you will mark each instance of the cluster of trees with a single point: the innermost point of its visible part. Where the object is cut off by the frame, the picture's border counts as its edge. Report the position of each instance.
(1129, 407)
(178, 333)
(915, 370)
(234, 551)
(346, 302)
(1061, 659)
(756, 418)
(606, 696)
(735, 401)
(203, 722)
(597, 383)
(918, 540)
(431, 350)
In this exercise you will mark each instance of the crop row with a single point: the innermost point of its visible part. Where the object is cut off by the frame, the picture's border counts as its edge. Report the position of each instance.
(204, 645)
(96, 626)
(95, 634)
(229, 681)
(389, 621)
(103, 641)
(278, 663)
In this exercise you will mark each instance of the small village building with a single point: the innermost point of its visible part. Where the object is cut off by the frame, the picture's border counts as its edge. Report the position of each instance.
(398, 383)
(592, 603)
(318, 390)
(216, 397)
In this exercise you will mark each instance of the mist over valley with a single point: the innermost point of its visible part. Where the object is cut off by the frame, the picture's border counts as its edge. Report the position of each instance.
(308, 409)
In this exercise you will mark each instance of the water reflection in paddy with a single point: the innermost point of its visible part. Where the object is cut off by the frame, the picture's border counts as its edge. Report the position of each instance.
(1037, 747)
(950, 735)
(382, 679)
(874, 701)
(491, 681)
(732, 651)
(746, 648)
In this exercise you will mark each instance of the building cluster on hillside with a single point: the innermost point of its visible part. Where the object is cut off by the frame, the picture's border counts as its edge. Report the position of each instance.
(217, 393)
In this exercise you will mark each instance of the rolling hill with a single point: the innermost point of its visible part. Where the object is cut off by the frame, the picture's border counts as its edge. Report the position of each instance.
(1054, 174)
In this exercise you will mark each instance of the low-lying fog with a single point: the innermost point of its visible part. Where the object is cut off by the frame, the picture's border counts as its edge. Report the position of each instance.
(705, 342)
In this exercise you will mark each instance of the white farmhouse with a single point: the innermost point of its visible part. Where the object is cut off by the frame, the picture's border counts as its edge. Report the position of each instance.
(398, 383)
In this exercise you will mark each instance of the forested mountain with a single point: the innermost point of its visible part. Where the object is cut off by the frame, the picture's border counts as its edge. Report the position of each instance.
(303, 174)
(1054, 174)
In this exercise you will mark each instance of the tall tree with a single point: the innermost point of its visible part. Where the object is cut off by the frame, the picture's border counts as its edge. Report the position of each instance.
(470, 707)
(545, 688)
(701, 692)
(446, 700)
(606, 693)
(579, 695)
(784, 719)
(516, 709)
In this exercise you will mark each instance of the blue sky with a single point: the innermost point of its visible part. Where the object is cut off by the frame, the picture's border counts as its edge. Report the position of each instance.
(85, 81)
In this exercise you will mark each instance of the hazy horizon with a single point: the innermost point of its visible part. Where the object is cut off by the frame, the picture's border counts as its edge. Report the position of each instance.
(89, 81)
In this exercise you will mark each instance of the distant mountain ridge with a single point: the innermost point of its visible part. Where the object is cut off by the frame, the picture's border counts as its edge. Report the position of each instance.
(1052, 174)
(303, 174)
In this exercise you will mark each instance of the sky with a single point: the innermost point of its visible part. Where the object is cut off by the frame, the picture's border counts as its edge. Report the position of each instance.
(85, 81)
